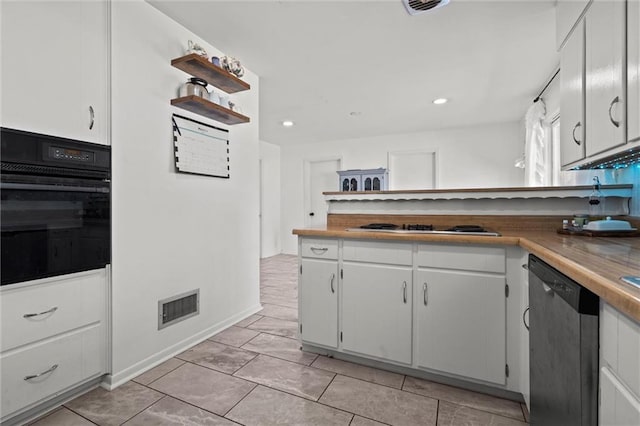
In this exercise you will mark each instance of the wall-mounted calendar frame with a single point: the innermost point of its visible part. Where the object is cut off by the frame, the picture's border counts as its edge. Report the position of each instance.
(200, 148)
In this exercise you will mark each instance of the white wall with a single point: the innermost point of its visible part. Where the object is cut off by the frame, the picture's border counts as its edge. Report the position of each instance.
(270, 199)
(472, 157)
(173, 232)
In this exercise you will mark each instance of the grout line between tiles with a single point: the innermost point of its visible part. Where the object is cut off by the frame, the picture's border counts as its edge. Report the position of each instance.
(77, 414)
(240, 400)
(437, 410)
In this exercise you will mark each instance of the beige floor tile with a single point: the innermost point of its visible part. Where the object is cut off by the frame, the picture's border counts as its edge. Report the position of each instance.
(169, 412)
(279, 300)
(217, 356)
(280, 347)
(480, 401)
(380, 403)
(276, 326)
(361, 421)
(245, 322)
(450, 414)
(115, 407)
(268, 407)
(158, 371)
(280, 312)
(234, 336)
(62, 417)
(357, 371)
(204, 388)
(286, 376)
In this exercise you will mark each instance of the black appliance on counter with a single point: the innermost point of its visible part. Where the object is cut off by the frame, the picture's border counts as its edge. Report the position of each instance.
(56, 206)
(563, 339)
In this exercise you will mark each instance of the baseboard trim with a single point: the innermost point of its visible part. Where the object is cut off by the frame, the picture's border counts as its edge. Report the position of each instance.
(112, 381)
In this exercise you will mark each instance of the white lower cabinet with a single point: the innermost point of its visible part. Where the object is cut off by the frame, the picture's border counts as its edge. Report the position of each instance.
(618, 406)
(619, 368)
(318, 298)
(54, 337)
(461, 324)
(34, 373)
(376, 311)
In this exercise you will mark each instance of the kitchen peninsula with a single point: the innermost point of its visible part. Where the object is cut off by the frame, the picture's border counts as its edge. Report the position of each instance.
(386, 298)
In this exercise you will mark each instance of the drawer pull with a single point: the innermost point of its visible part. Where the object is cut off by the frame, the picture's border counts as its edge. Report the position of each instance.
(333, 277)
(50, 311)
(524, 314)
(319, 250)
(404, 292)
(425, 299)
(33, 376)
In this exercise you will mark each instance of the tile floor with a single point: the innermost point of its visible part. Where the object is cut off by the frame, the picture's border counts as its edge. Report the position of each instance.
(254, 373)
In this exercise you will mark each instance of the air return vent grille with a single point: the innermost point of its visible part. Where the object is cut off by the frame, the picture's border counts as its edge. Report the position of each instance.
(178, 308)
(415, 7)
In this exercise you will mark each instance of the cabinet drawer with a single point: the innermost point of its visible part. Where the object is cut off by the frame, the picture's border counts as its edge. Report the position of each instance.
(468, 258)
(78, 356)
(321, 248)
(388, 252)
(620, 346)
(64, 304)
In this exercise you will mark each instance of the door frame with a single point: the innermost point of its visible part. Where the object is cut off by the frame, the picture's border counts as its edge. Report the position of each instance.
(436, 163)
(306, 186)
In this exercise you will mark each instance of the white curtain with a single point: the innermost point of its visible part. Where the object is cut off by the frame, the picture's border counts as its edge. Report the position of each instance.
(536, 146)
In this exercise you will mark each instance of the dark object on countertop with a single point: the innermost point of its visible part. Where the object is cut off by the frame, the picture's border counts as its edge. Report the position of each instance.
(417, 227)
(379, 226)
(587, 233)
(466, 228)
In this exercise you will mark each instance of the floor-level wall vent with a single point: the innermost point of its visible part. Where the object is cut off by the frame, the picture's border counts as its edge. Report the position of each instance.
(178, 308)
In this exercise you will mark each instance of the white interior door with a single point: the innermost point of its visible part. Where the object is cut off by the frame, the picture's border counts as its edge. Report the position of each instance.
(412, 170)
(322, 177)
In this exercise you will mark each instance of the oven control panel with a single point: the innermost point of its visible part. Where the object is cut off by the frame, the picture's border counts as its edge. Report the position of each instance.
(67, 154)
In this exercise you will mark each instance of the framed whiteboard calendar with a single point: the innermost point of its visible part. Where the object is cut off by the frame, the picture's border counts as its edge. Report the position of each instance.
(200, 148)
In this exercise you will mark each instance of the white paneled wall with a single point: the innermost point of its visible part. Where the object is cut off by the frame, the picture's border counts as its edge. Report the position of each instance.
(172, 232)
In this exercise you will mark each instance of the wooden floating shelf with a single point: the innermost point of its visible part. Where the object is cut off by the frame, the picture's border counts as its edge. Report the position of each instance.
(200, 67)
(208, 109)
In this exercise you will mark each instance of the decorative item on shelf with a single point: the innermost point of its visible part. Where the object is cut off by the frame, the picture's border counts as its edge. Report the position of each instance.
(214, 97)
(232, 65)
(195, 86)
(197, 49)
(596, 200)
(224, 101)
(363, 179)
(215, 61)
(235, 107)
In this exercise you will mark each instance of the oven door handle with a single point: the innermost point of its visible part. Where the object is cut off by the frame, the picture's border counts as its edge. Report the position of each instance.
(60, 188)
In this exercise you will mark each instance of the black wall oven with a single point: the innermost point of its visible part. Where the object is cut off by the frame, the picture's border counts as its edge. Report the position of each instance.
(56, 206)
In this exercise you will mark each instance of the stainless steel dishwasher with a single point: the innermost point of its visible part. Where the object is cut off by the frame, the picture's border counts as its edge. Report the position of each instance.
(563, 345)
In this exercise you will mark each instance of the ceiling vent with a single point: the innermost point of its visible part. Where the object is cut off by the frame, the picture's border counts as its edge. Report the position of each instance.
(415, 7)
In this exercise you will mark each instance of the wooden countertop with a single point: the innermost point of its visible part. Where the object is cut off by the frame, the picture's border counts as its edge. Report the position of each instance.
(596, 263)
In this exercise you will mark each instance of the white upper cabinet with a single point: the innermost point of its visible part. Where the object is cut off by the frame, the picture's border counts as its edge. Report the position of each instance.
(572, 124)
(605, 72)
(568, 12)
(54, 68)
(633, 70)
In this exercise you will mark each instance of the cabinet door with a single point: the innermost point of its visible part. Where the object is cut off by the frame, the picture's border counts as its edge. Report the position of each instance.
(461, 325)
(54, 68)
(376, 311)
(318, 290)
(618, 407)
(567, 14)
(605, 94)
(572, 123)
(633, 70)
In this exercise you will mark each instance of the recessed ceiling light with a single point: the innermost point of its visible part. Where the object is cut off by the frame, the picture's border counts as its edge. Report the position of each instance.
(440, 101)
(355, 113)
(287, 123)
